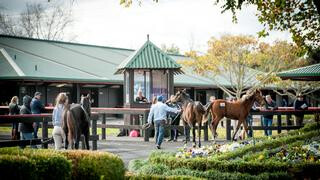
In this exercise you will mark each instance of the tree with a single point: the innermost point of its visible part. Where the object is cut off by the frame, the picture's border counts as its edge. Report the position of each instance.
(37, 21)
(243, 62)
(301, 18)
(173, 49)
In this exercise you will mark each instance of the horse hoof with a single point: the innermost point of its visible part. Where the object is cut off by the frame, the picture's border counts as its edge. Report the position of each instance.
(194, 145)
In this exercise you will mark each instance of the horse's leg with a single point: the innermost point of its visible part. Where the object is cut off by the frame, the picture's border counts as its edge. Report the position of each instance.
(235, 132)
(199, 133)
(78, 136)
(245, 126)
(194, 136)
(214, 125)
(86, 135)
(186, 132)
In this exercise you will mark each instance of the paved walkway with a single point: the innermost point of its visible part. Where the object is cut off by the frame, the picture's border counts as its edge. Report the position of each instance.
(129, 148)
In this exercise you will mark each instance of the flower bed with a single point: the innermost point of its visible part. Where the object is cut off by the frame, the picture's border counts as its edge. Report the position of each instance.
(295, 154)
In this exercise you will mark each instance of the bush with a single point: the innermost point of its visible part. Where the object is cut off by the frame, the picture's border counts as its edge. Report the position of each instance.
(17, 167)
(95, 165)
(50, 164)
(136, 164)
(131, 176)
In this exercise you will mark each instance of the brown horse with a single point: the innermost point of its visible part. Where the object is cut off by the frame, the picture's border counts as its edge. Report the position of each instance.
(238, 110)
(192, 113)
(76, 121)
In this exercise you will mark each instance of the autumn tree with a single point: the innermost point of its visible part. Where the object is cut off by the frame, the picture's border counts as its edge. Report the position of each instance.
(38, 21)
(242, 62)
(301, 18)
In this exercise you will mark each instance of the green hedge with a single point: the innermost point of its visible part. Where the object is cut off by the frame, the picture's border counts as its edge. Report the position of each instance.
(95, 165)
(130, 176)
(165, 171)
(17, 167)
(50, 164)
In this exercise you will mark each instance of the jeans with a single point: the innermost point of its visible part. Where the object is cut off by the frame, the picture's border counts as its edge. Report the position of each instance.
(27, 136)
(159, 131)
(267, 123)
(249, 123)
(35, 130)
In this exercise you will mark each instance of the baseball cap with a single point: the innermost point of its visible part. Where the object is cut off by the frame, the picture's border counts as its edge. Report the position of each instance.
(37, 94)
(160, 98)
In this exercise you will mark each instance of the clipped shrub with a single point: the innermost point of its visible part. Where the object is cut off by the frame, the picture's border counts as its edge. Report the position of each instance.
(95, 165)
(50, 164)
(132, 176)
(17, 167)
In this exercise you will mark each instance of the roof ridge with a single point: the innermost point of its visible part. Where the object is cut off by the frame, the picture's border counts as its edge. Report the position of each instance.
(50, 60)
(64, 42)
(11, 62)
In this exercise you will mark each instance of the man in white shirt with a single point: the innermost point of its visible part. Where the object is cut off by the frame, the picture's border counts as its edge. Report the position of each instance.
(159, 113)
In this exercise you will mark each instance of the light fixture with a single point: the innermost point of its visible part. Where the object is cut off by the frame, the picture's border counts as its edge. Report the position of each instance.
(60, 85)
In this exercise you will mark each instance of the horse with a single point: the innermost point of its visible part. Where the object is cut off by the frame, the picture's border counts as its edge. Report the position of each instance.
(76, 121)
(192, 113)
(238, 110)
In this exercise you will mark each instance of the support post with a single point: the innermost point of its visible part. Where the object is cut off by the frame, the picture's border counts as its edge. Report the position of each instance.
(103, 130)
(205, 131)
(146, 131)
(228, 129)
(44, 132)
(94, 133)
(279, 123)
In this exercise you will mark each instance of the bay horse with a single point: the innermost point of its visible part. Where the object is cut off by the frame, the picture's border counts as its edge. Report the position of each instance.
(76, 121)
(238, 110)
(192, 113)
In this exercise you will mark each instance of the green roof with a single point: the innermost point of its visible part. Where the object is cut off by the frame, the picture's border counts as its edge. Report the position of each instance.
(49, 60)
(149, 56)
(308, 73)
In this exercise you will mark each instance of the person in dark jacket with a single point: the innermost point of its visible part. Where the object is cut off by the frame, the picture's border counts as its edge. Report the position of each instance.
(13, 110)
(267, 119)
(300, 104)
(26, 128)
(36, 108)
(175, 120)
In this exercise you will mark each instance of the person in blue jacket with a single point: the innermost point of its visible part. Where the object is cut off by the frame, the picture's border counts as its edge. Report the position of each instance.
(36, 108)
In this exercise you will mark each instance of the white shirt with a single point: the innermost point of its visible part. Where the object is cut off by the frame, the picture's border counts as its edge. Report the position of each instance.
(159, 111)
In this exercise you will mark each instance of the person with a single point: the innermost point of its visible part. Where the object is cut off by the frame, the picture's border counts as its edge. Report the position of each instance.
(299, 104)
(36, 108)
(57, 133)
(267, 119)
(159, 113)
(26, 128)
(13, 110)
(140, 98)
(175, 120)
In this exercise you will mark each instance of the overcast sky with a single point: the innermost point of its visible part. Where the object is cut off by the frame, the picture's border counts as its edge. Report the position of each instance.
(185, 23)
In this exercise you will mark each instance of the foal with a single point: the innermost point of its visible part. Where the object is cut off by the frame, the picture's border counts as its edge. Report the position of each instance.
(192, 113)
(238, 110)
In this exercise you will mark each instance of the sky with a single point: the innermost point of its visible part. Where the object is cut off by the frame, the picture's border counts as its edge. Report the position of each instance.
(188, 24)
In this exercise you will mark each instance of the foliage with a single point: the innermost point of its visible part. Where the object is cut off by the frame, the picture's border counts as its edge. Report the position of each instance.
(10, 165)
(173, 49)
(301, 18)
(68, 164)
(243, 62)
(45, 164)
(37, 21)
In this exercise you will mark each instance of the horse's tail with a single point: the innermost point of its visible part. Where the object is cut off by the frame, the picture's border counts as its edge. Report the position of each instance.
(71, 127)
(205, 116)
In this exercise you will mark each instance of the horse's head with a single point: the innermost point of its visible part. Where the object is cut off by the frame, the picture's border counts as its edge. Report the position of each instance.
(257, 95)
(86, 103)
(181, 96)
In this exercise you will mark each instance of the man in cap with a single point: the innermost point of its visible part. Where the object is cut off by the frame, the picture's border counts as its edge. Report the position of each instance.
(36, 108)
(159, 113)
(300, 104)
